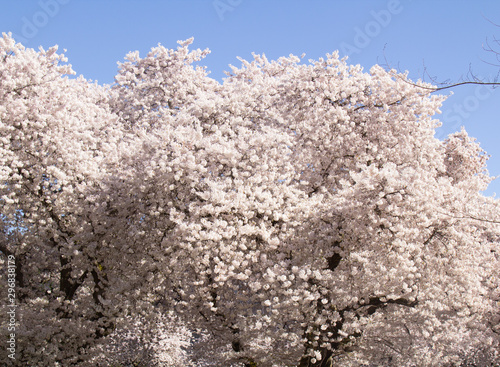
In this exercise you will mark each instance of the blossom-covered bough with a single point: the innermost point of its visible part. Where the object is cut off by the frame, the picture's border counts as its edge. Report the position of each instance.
(298, 214)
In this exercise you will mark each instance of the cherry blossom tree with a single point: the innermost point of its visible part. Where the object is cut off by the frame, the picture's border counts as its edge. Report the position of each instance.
(57, 138)
(297, 214)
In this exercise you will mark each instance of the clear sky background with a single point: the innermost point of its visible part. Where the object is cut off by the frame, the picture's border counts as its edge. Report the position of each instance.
(433, 39)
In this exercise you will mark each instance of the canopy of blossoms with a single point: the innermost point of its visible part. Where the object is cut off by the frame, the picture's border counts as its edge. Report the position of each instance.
(297, 214)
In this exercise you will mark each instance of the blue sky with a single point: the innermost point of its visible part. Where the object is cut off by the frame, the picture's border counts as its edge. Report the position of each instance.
(440, 39)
